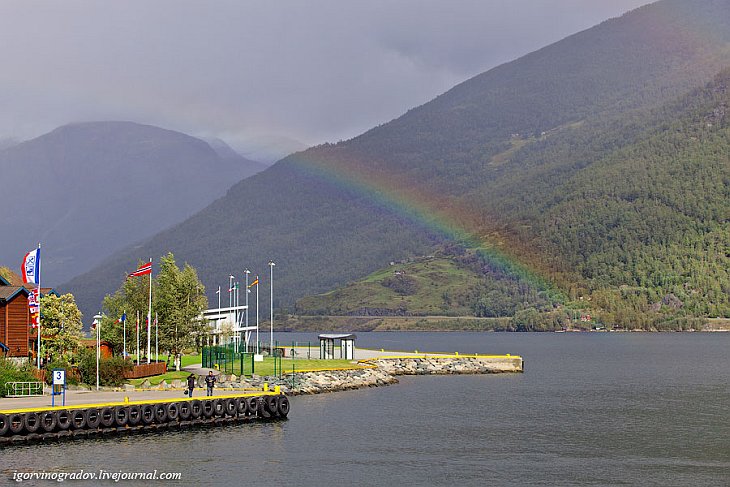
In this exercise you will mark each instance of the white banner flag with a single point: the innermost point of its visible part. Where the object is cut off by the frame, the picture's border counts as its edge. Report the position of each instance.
(31, 266)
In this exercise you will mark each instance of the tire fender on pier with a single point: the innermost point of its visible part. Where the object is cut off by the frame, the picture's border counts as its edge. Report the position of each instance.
(196, 409)
(161, 413)
(252, 404)
(173, 411)
(48, 421)
(261, 408)
(185, 411)
(230, 407)
(93, 418)
(63, 419)
(4, 424)
(16, 423)
(272, 405)
(121, 415)
(148, 414)
(241, 406)
(78, 419)
(32, 422)
(219, 407)
(134, 416)
(283, 406)
(107, 417)
(208, 409)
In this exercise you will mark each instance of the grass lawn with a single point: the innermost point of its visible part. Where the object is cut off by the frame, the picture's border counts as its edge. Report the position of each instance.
(260, 368)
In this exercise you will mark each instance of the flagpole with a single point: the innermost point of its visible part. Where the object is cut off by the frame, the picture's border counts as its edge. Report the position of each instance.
(149, 318)
(157, 337)
(124, 334)
(271, 308)
(38, 268)
(257, 315)
(247, 332)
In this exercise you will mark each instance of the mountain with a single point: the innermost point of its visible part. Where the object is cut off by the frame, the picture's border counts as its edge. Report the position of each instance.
(226, 152)
(534, 163)
(268, 148)
(6, 142)
(86, 190)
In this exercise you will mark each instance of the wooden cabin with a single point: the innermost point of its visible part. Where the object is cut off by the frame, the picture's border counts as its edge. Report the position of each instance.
(14, 319)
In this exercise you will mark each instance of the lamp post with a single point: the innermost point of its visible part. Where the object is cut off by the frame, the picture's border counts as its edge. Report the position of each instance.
(97, 325)
(247, 272)
(271, 305)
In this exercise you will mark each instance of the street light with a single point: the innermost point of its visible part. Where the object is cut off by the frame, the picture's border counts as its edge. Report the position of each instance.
(271, 307)
(97, 325)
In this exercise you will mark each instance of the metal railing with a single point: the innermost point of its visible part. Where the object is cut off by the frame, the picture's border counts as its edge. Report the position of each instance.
(23, 389)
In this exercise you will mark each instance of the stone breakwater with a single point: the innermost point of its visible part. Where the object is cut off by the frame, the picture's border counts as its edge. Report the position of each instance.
(449, 365)
(383, 372)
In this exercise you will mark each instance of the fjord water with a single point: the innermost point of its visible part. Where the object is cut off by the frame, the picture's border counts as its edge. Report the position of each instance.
(590, 409)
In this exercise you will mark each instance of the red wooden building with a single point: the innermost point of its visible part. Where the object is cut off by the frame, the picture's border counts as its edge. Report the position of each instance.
(14, 319)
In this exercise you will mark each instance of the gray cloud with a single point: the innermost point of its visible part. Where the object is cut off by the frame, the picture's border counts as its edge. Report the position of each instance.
(313, 71)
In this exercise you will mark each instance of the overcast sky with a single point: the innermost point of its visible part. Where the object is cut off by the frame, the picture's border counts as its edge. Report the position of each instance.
(310, 70)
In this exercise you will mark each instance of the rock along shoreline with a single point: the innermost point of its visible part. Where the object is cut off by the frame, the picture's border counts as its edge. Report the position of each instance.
(379, 372)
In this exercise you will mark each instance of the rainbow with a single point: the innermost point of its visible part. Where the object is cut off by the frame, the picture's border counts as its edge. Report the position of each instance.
(440, 215)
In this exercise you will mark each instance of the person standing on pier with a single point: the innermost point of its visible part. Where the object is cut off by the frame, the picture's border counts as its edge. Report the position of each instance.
(210, 382)
(191, 385)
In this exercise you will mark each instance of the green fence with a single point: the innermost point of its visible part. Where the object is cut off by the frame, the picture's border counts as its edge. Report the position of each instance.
(226, 359)
(231, 361)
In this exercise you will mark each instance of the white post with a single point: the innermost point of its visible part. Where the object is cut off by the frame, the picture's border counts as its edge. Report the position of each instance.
(247, 272)
(271, 307)
(38, 270)
(124, 334)
(218, 320)
(97, 321)
(157, 337)
(98, 352)
(257, 316)
(230, 291)
(149, 321)
(137, 337)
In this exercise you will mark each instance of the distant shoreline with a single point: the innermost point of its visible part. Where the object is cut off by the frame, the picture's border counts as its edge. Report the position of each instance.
(336, 323)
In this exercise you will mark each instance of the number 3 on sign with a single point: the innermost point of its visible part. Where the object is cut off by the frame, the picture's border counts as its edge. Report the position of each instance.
(59, 377)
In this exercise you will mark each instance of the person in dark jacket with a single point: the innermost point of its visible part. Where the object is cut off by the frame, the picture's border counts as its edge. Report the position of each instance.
(191, 385)
(210, 382)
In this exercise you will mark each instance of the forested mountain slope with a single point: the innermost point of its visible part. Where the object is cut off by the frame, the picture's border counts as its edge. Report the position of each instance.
(501, 161)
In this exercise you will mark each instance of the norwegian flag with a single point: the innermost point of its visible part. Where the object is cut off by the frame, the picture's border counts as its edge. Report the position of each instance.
(143, 270)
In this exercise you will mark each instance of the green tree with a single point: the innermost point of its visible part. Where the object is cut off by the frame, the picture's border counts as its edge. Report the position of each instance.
(61, 324)
(178, 301)
(179, 304)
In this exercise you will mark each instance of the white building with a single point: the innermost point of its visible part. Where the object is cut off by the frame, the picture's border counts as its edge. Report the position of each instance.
(234, 317)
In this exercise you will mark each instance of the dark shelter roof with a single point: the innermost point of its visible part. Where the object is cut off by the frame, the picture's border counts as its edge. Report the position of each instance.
(337, 336)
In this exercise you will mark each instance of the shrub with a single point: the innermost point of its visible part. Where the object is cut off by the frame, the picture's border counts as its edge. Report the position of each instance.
(71, 377)
(111, 370)
(9, 372)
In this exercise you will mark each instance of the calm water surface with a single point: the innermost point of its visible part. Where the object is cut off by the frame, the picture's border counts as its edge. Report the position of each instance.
(590, 409)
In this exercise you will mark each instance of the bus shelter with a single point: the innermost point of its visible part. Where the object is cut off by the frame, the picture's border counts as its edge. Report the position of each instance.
(332, 345)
